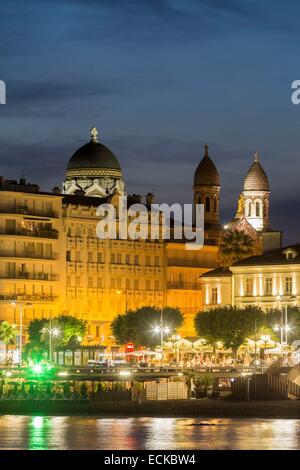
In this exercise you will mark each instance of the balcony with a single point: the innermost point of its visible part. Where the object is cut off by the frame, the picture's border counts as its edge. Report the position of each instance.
(28, 255)
(29, 298)
(184, 285)
(40, 233)
(31, 276)
(25, 210)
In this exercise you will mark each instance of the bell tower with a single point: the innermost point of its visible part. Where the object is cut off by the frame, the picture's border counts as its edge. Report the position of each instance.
(256, 195)
(207, 188)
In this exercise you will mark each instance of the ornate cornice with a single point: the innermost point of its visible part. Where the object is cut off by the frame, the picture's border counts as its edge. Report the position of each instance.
(93, 173)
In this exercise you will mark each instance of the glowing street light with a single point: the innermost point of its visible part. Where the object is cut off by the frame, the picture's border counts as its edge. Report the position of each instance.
(162, 330)
(52, 332)
(120, 292)
(20, 305)
(287, 298)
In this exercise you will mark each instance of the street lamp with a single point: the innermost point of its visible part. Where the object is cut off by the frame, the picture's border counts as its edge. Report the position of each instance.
(286, 326)
(52, 332)
(265, 339)
(162, 330)
(119, 292)
(20, 305)
(279, 328)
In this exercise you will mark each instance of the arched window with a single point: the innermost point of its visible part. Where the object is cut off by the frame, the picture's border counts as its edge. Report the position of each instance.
(215, 205)
(257, 209)
(199, 200)
(207, 204)
(249, 209)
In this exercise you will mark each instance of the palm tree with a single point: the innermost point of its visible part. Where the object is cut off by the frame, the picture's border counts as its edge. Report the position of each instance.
(235, 246)
(8, 333)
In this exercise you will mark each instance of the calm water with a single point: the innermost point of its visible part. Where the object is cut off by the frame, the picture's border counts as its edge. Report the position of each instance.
(61, 432)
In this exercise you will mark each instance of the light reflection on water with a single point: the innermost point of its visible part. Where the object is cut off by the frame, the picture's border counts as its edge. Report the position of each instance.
(81, 432)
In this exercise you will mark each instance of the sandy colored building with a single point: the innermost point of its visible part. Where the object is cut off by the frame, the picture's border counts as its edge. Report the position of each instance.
(52, 262)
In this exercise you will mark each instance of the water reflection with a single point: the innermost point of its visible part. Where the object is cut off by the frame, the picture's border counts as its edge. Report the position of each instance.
(56, 432)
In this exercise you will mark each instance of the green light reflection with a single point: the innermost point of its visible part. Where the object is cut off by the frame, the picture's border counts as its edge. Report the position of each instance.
(38, 433)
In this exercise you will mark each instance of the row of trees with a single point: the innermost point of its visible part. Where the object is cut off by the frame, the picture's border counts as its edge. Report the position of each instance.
(70, 331)
(230, 325)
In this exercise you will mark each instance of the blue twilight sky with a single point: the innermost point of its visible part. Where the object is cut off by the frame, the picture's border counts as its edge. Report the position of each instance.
(158, 78)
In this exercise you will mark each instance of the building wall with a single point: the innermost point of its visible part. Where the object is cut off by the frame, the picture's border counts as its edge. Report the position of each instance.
(266, 286)
(32, 252)
(217, 291)
(183, 271)
(104, 277)
(51, 262)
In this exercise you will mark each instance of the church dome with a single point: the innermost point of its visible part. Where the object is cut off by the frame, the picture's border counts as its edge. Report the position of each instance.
(206, 173)
(256, 178)
(93, 159)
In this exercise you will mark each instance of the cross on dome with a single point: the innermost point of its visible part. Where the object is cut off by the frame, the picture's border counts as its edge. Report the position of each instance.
(94, 134)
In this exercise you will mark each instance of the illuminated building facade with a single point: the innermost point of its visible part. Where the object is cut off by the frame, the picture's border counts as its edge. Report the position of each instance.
(52, 261)
(269, 281)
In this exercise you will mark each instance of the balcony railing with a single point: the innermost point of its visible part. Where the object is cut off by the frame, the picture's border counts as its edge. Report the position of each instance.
(29, 298)
(40, 233)
(31, 255)
(184, 285)
(27, 211)
(31, 276)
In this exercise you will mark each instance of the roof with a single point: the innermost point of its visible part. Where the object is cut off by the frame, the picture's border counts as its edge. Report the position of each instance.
(206, 173)
(93, 155)
(218, 272)
(273, 257)
(256, 178)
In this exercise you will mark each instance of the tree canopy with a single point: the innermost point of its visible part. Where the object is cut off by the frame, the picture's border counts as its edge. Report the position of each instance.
(230, 325)
(8, 333)
(235, 245)
(69, 328)
(137, 326)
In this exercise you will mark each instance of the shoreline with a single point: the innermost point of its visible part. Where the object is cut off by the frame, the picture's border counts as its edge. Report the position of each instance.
(173, 408)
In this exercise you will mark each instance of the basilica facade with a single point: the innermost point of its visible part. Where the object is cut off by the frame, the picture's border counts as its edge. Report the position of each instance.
(52, 261)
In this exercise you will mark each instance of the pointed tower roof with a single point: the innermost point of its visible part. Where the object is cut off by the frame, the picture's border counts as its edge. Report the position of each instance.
(256, 178)
(206, 173)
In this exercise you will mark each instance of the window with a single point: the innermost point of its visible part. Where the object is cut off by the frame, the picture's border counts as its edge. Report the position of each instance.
(119, 258)
(257, 209)
(112, 283)
(249, 286)
(97, 331)
(68, 255)
(127, 259)
(147, 260)
(268, 286)
(112, 258)
(288, 285)
(90, 282)
(90, 256)
(99, 283)
(136, 259)
(156, 285)
(214, 295)
(207, 204)
(215, 204)
(78, 256)
(136, 284)
(100, 257)
(181, 280)
(157, 261)
(119, 283)
(127, 284)
(148, 285)
(249, 209)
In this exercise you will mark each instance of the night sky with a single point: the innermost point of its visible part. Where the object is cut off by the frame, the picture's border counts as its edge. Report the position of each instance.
(159, 79)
